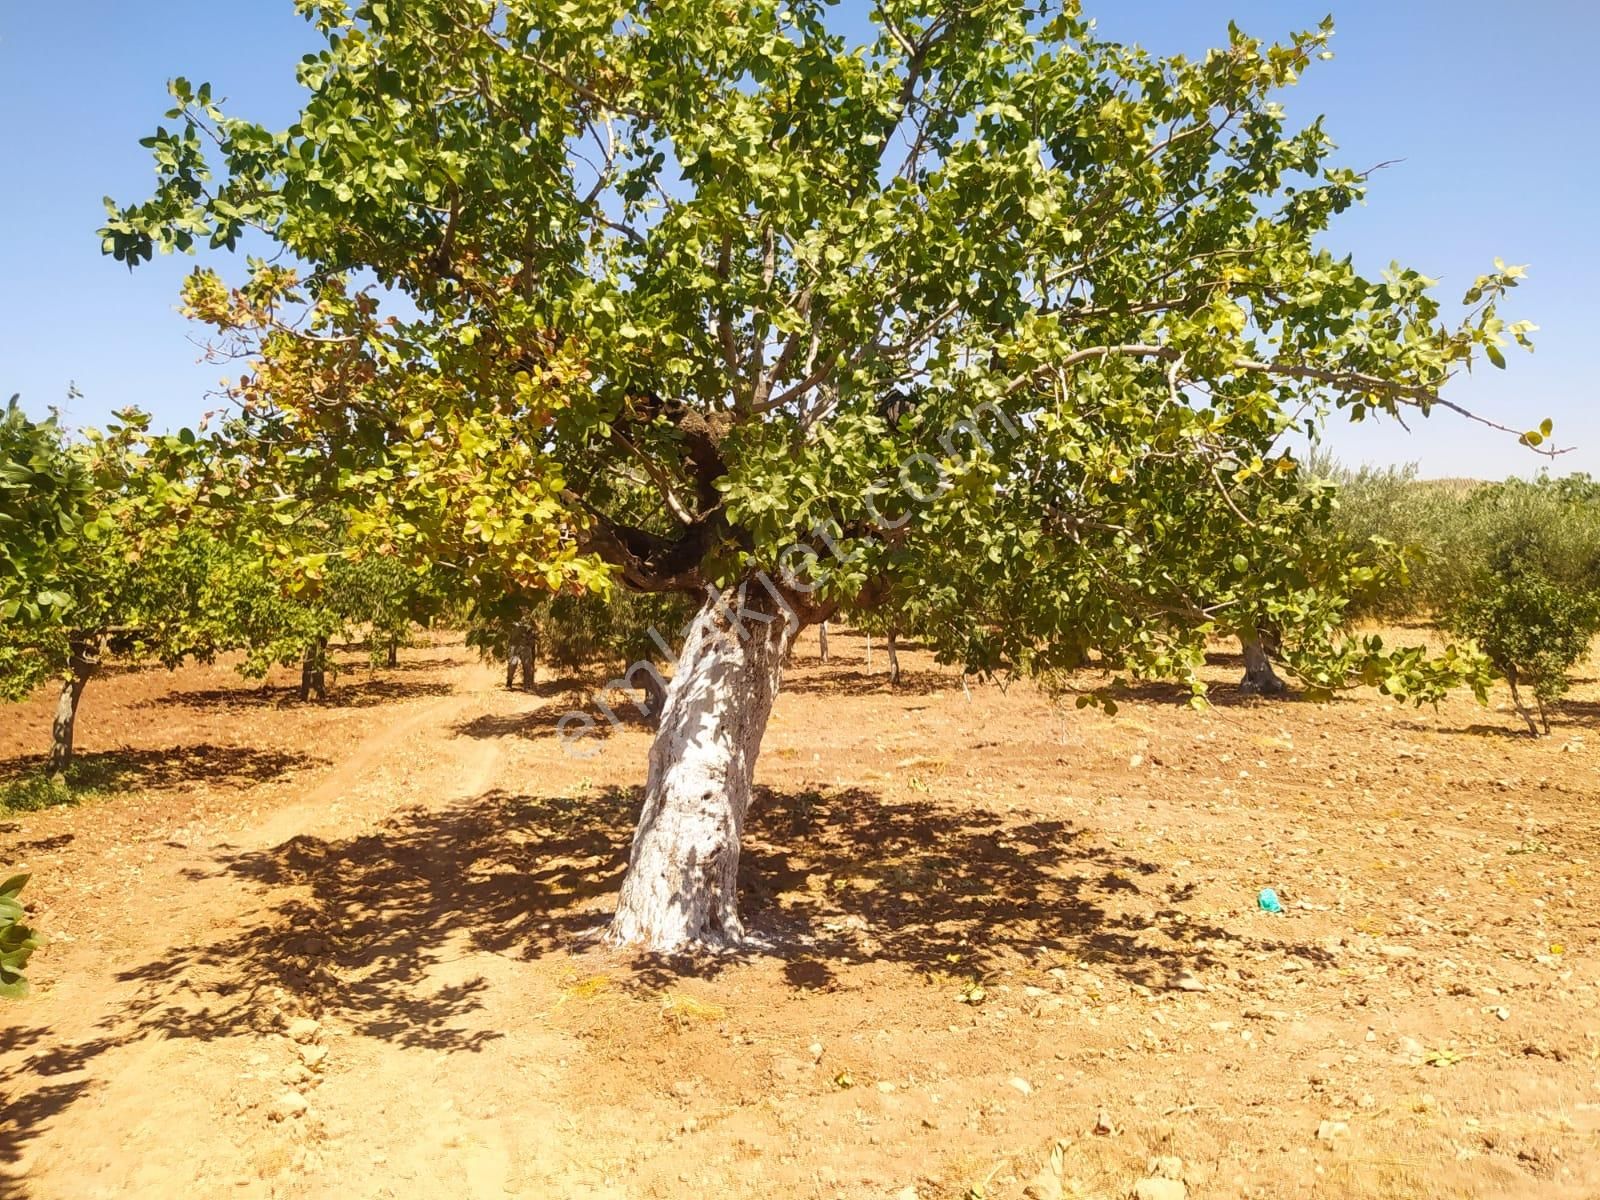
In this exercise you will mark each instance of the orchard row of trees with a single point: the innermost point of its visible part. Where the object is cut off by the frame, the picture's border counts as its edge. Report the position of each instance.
(144, 547)
(151, 548)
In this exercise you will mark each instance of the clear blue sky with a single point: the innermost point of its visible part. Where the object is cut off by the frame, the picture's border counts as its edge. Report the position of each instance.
(1490, 105)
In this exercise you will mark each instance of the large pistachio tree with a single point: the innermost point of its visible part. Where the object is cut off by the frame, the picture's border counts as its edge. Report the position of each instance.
(792, 309)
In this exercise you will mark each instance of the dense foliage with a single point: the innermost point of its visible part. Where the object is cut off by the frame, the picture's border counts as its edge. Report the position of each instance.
(44, 494)
(287, 617)
(121, 563)
(1519, 571)
(570, 631)
(103, 556)
(1534, 631)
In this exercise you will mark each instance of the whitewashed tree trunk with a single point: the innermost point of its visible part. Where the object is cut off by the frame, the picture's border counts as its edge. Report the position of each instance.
(66, 720)
(681, 888)
(522, 654)
(894, 657)
(822, 636)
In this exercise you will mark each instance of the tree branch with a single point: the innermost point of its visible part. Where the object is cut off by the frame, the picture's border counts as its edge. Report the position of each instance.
(657, 476)
(1347, 381)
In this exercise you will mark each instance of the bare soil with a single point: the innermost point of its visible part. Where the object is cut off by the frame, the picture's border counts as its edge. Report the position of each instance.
(345, 949)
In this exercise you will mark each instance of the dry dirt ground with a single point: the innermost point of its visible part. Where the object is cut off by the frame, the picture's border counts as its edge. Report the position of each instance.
(341, 950)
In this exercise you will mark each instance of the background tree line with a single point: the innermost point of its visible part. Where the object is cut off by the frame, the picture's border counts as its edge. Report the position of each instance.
(1513, 566)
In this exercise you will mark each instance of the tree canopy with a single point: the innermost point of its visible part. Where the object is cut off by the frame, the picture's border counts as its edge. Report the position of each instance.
(101, 555)
(699, 243)
(97, 545)
(44, 496)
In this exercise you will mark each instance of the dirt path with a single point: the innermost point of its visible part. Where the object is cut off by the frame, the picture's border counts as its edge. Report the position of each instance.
(340, 952)
(114, 1035)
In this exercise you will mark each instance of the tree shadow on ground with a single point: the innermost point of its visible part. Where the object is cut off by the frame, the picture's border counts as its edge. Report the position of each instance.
(626, 710)
(572, 693)
(353, 928)
(834, 682)
(573, 687)
(126, 770)
(371, 930)
(1566, 717)
(32, 1091)
(351, 665)
(1585, 713)
(831, 681)
(1218, 695)
(1511, 732)
(847, 877)
(502, 725)
(36, 845)
(343, 692)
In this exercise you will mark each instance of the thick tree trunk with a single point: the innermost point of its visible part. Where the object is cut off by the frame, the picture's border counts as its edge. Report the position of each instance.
(822, 638)
(521, 656)
(1259, 677)
(313, 670)
(681, 887)
(655, 691)
(84, 659)
(894, 658)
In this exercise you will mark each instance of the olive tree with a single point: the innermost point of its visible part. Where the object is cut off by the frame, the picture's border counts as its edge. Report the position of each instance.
(710, 297)
(1512, 566)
